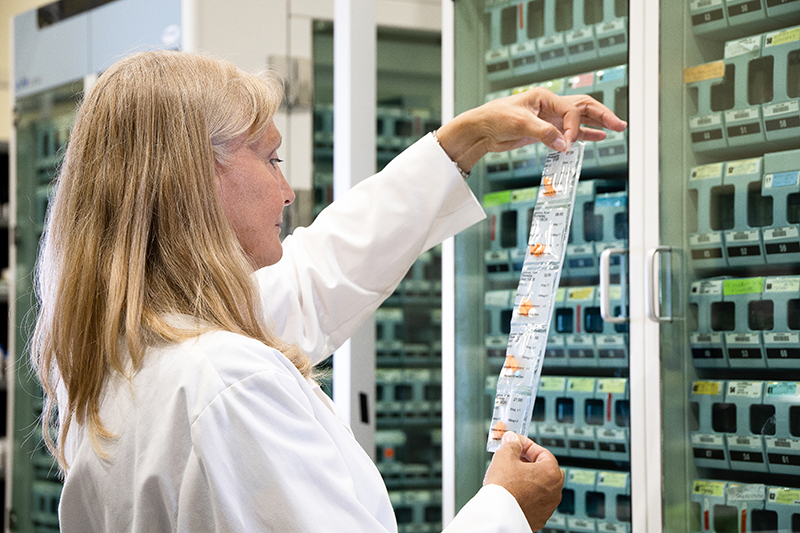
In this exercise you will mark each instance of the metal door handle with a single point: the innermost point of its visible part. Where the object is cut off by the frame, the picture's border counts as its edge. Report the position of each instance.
(653, 282)
(605, 282)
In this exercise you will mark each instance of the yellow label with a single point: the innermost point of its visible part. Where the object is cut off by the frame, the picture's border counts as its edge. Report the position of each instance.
(709, 488)
(551, 384)
(714, 170)
(612, 479)
(580, 293)
(783, 37)
(582, 477)
(611, 385)
(707, 71)
(785, 496)
(743, 166)
(711, 388)
(581, 384)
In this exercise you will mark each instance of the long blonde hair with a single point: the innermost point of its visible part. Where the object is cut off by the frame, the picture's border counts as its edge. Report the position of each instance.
(136, 232)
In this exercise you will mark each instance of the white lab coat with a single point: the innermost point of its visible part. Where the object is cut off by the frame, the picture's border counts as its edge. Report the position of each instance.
(222, 433)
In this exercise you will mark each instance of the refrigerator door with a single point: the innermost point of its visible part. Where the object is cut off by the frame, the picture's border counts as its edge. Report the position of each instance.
(728, 166)
(582, 410)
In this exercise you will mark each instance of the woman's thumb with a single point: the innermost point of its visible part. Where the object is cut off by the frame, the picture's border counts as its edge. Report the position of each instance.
(512, 442)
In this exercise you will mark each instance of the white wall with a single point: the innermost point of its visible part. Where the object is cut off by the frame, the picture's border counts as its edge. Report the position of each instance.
(8, 9)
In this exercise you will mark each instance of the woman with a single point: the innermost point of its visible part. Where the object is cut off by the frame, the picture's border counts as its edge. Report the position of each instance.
(182, 381)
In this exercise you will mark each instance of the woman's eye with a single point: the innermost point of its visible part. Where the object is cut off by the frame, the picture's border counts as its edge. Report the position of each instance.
(275, 160)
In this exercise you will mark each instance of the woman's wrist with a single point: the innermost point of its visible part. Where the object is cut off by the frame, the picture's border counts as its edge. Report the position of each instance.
(462, 140)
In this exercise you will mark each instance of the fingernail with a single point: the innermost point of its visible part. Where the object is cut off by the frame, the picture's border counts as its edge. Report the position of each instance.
(509, 436)
(559, 144)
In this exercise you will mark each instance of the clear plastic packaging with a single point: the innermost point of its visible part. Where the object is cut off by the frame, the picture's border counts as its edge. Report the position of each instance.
(536, 292)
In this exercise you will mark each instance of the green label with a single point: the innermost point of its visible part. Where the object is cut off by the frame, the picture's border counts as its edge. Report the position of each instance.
(709, 488)
(496, 198)
(732, 287)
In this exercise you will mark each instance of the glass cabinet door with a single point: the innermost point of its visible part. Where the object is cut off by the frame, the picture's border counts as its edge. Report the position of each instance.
(582, 407)
(730, 271)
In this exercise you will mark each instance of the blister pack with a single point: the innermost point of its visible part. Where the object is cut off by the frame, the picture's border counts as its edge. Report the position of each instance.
(536, 292)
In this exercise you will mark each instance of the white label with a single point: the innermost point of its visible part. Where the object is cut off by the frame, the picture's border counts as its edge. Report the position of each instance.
(697, 5)
(552, 41)
(787, 232)
(787, 284)
(579, 340)
(740, 442)
(703, 439)
(494, 342)
(699, 239)
(706, 338)
(606, 527)
(738, 115)
(557, 521)
(747, 492)
(705, 121)
(780, 109)
(493, 256)
(497, 298)
(580, 432)
(747, 389)
(523, 48)
(498, 54)
(611, 340)
(782, 444)
(579, 35)
(580, 524)
(610, 27)
(742, 236)
(579, 249)
(742, 46)
(712, 288)
(788, 337)
(551, 431)
(612, 435)
(742, 338)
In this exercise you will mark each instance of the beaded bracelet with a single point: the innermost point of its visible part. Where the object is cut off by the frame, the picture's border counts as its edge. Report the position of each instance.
(464, 174)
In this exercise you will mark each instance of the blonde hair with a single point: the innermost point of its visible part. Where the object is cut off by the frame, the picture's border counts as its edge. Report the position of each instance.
(136, 232)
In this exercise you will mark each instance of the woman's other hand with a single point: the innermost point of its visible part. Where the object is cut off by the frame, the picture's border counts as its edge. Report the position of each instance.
(531, 474)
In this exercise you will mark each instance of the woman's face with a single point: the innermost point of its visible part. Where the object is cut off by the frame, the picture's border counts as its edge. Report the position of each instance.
(254, 193)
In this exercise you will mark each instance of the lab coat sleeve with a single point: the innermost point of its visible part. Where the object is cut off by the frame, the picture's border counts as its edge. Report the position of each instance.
(336, 272)
(261, 462)
(492, 510)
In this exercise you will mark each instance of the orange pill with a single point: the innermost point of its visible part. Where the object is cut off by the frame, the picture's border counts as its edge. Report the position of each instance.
(498, 430)
(525, 307)
(538, 249)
